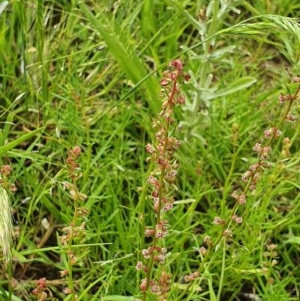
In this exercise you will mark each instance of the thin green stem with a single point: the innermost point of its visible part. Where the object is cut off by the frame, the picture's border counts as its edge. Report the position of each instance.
(221, 281)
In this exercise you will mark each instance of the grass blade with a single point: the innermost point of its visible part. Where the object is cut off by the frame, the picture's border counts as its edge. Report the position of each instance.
(125, 56)
(12, 144)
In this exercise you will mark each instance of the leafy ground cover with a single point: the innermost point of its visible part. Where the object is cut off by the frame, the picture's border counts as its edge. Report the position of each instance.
(80, 88)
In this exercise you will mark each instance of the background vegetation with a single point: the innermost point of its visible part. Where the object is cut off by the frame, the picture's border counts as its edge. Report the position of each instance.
(87, 73)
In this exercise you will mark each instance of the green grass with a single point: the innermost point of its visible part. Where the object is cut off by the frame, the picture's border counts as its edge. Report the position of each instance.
(87, 73)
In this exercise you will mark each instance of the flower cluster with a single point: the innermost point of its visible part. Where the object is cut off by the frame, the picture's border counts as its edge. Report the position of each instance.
(271, 257)
(240, 197)
(5, 172)
(191, 276)
(160, 287)
(76, 229)
(162, 179)
(40, 290)
(72, 164)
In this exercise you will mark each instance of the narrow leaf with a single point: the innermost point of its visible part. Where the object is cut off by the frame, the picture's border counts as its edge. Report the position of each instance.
(118, 298)
(293, 240)
(14, 143)
(238, 85)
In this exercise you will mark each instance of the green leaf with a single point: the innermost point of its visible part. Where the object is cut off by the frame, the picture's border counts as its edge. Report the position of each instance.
(118, 298)
(293, 240)
(6, 294)
(238, 85)
(14, 143)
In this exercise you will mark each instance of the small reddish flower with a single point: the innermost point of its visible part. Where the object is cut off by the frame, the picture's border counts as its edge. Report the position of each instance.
(283, 98)
(149, 232)
(218, 221)
(291, 118)
(177, 64)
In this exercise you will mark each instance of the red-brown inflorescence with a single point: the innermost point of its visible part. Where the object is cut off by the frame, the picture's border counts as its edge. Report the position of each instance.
(76, 229)
(40, 290)
(254, 172)
(161, 181)
(72, 164)
(5, 172)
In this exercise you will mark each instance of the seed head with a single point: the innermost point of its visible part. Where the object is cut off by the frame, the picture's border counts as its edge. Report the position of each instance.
(6, 228)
